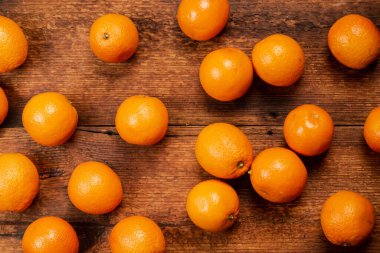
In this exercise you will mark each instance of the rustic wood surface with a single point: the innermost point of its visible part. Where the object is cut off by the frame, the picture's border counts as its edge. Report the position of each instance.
(157, 179)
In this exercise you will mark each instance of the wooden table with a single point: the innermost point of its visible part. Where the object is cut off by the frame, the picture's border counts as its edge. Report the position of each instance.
(157, 179)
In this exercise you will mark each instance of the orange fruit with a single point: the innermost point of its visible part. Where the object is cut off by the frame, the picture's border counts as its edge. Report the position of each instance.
(372, 130)
(137, 234)
(203, 19)
(95, 188)
(142, 120)
(308, 130)
(223, 150)
(50, 234)
(13, 45)
(347, 218)
(114, 38)
(226, 74)
(3, 106)
(278, 60)
(354, 41)
(278, 175)
(19, 182)
(213, 205)
(49, 118)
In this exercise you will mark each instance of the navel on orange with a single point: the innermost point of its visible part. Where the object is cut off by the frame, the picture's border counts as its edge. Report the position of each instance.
(3, 106)
(372, 130)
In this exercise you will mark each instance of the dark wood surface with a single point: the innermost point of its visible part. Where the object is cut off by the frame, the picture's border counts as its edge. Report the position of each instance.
(157, 179)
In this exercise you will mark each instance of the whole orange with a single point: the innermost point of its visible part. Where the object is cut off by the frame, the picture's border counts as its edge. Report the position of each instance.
(347, 218)
(95, 188)
(203, 19)
(223, 150)
(278, 60)
(49, 118)
(142, 120)
(137, 234)
(19, 182)
(13, 45)
(3, 106)
(278, 175)
(50, 234)
(354, 40)
(114, 38)
(213, 205)
(226, 74)
(308, 130)
(372, 130)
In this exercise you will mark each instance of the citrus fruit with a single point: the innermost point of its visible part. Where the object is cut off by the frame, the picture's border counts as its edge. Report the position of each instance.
(142, 120)
(354, 41)
(213, 205)
(19, 182)
(278, 60)
(226, 74)
(13, 45)
(49, 118)
(50, 234)
(94, 188)
(347, 218)
(3, 106)
(308, 130)
(202, 19)
(137, 234)
(278, 175)
(114, 38)
(223, 150)
(372, 130)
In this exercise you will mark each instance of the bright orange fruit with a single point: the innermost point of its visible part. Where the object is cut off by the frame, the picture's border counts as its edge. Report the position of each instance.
(372, 130)
(3, 106)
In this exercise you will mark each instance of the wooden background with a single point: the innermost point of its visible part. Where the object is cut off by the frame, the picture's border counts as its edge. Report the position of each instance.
(157, 179)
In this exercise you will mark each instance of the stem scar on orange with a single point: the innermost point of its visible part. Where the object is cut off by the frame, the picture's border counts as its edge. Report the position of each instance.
(3, 106)
(372, 130)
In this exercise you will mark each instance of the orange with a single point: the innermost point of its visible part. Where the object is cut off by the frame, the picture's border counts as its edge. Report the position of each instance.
(142, 120)
(95, 188)
(278, 60)
(278, 175)
(13, 45)
(3, 106)
(137, 234)
(50, 234)
(347, 218)
(213, 205)
(308, 130)
(203, 19)
(372, 130)
(354, 40)
(114, 38)
(223, 150)
(19, 182)
(49, 118)
(226, 74)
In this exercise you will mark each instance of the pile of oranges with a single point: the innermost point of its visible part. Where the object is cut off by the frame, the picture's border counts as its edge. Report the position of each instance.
(277, 174)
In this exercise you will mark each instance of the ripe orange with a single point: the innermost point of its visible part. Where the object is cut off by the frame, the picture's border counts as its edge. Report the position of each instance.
(354, 40)
(203, 19)
(95, 188)
(278, 175)
(308, 130)
(3, 106)
(142, 120)
(213, 205)
(49, 118)
(372, 130)
(13, 45)
(114, 38)
(19, 182)
(50, 234)
(347, 218)
(278, 60)
(137, 234)
(226, 74)
(224, 151)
